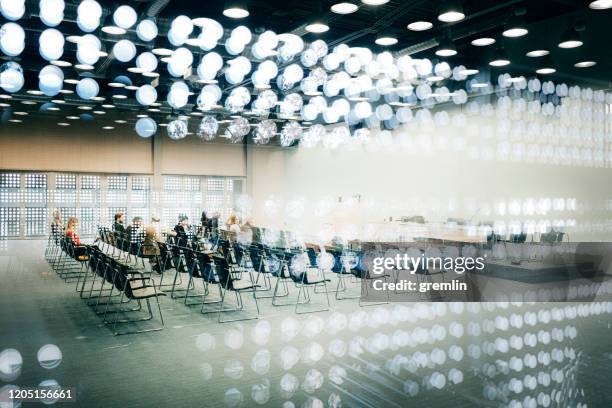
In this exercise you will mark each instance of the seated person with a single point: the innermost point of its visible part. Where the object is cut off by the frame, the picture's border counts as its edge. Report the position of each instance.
(203, 228)
(57, 226)
(80, 251)
(212, 224)
(118, 225)
(183, 231)
(150, 248)
(233, 225)
(135, 234)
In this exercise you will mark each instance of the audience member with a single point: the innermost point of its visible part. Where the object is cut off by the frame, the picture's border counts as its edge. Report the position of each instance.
(183, 231)
(233, 225)
(118, 225)
(57, 226)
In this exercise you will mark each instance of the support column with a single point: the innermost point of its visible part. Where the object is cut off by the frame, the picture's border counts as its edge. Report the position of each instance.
(156, 182)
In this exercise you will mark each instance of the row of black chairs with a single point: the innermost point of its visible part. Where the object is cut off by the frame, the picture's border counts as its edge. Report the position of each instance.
(204, 274)
(108, 284)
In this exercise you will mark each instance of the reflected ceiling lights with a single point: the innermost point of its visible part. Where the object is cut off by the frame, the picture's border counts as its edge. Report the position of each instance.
(114, 30)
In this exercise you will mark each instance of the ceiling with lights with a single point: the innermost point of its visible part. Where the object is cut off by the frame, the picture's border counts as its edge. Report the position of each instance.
(286, 72)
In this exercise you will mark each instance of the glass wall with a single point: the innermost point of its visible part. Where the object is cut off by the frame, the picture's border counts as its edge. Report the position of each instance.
(27, 199)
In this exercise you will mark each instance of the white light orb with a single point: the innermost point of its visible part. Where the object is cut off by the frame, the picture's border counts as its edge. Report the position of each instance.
(88, 50)
(12, 9)
(87, 88)
(265, 131)
(352, 65)
(125, 17)
(11, 77)
(12, 41)
(90, 9)
(268, 40)
(146, 95)
(145, 127)
(180, 61)
(178, 95)
(124, 50)
(87, 26)
(182, 26)
(268, 69)
(237, 130)
(50, 80)
(242, 35)
(330, 116)
(176, 39)
(363, 109)
(147, 30)
(341, 106)
(210, 65)
(331, 62)
(308, 58)
(313, 136)
(309, 112)
(147, 61)
(51, 44)
(384, 112)
(177, 129)
(290, 134)
(209, 96)
(51, 12)
(206, 43)
(424, 67)
(208, 128)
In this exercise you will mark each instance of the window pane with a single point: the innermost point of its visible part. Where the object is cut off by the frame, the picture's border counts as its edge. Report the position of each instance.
(192, 184)
(36, 222)
(117, 182)
(65, 182)
(141, 183)
(89, 220)
(9, 222)
(36, 181)
(215, 184)
(9, 180)
(89, 182)
(172, 183)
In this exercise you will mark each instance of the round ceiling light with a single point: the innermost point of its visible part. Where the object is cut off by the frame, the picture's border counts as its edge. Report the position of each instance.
(344, 8)
(537, 53)
(374, 2)
(483, 41)
(420, 26)
(585, 64)
(600, 4)
(317, 27)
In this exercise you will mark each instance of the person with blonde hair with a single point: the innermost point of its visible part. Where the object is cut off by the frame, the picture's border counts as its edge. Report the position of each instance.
(233, 224)
(57, 225)
(71, 230)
